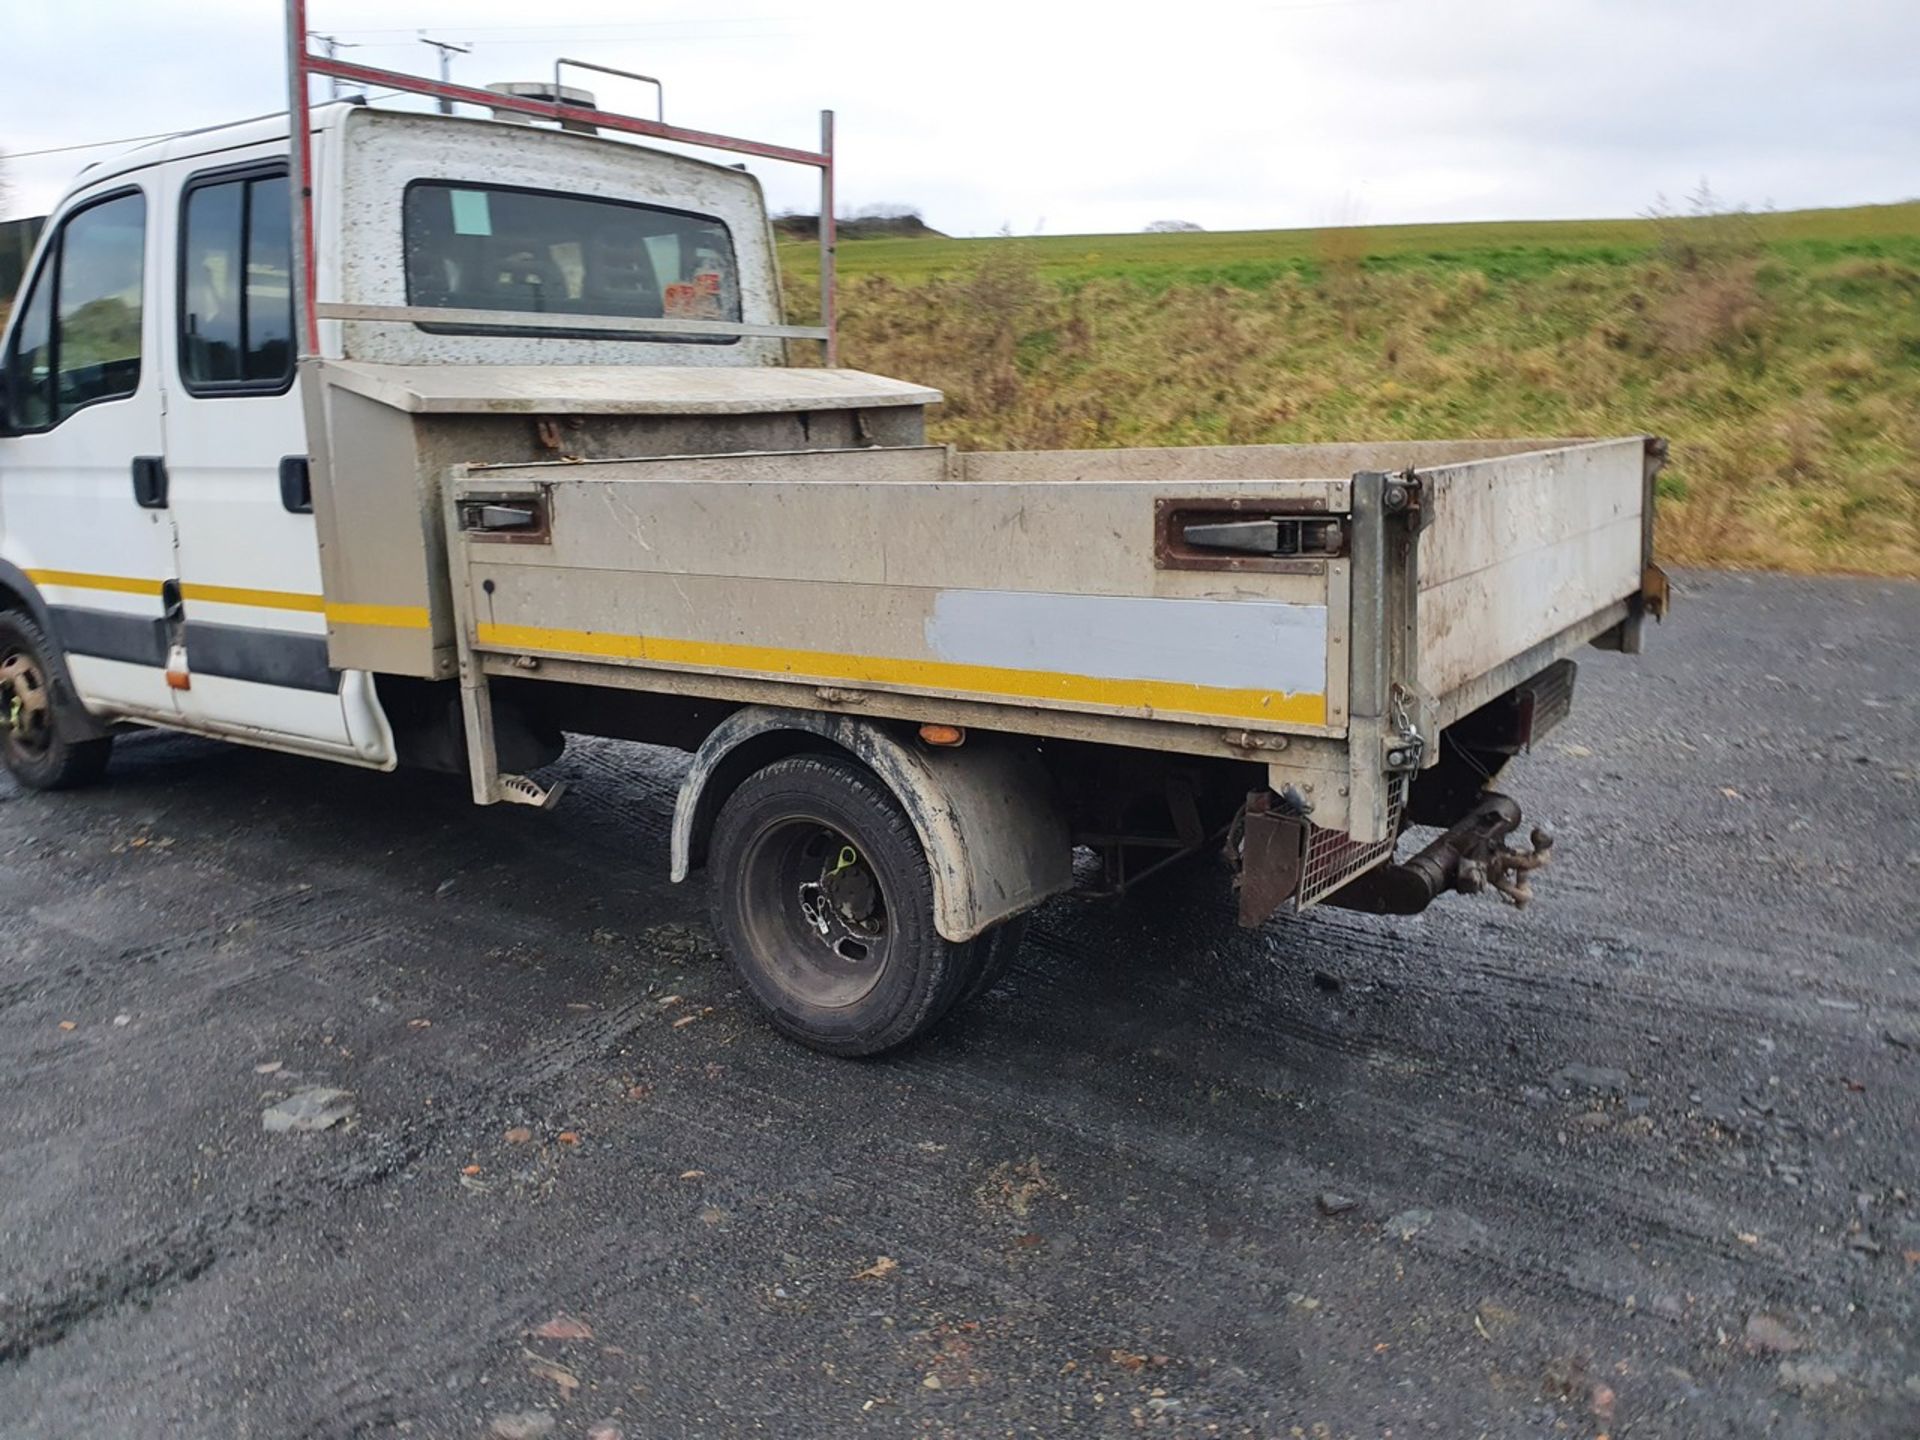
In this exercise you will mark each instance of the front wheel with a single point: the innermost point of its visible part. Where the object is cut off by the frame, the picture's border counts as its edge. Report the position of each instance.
(36, 753)
(823, 900)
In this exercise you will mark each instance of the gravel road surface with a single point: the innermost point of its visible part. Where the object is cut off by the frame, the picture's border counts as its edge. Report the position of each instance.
(1643, 1160)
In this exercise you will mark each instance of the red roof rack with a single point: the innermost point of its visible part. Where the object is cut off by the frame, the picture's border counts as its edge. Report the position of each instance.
(302, 66)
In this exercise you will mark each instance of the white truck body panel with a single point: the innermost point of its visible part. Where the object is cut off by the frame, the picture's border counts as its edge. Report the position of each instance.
(618, 389)
(249, 569)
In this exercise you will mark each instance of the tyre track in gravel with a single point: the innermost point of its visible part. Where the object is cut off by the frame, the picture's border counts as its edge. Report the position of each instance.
(159, 1262)
(1457, 1157)
(1463, 1139)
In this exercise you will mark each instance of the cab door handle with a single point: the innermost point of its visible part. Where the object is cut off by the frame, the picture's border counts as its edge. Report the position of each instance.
(296, 485)
(150, 482)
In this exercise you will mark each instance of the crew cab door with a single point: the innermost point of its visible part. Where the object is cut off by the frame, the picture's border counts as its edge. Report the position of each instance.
(249, 560)
(83, 484)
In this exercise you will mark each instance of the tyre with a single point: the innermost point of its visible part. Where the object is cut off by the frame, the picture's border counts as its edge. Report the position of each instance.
(823, 900)
(36, 753)
(994, 954)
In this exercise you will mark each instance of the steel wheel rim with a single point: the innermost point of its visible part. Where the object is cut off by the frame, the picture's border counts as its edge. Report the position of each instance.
(816, 914)
(23, 705)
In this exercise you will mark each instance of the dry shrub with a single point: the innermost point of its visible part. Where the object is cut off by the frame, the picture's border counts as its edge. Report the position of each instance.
(1707, 294)
(1719, 308)
(1342, 253)
(995, 339)
(1706, 234)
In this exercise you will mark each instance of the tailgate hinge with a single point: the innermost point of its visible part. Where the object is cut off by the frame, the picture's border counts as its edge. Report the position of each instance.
(1405, 496)
(1654, 591)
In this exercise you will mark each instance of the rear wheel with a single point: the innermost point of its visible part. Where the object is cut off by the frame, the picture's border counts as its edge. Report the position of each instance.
(36, 753)
(824, 902)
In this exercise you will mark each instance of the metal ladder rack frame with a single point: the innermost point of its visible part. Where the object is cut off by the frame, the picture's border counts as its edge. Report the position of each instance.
(303, 66)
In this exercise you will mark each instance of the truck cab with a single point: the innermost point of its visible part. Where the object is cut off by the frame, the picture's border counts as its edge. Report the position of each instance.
(157, 512)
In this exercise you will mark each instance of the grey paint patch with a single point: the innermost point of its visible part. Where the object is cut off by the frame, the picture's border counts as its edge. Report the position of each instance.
(1229, 644)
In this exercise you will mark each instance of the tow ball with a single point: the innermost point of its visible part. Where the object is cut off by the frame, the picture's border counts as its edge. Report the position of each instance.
(1471, 857)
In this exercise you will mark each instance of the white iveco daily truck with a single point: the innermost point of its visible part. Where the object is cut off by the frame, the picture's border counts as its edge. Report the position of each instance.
(497, 437)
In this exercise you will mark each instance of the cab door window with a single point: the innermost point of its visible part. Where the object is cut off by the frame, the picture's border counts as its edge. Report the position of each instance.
(78, 342)
(30, 361)
(236, 295)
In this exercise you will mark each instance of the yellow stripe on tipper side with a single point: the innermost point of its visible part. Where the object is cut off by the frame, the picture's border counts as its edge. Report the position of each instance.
(258, 599)
(390, 617)
(820, 665)
(80, 580)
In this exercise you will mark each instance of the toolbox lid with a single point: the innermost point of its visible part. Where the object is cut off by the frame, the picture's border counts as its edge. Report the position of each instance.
(617, 389)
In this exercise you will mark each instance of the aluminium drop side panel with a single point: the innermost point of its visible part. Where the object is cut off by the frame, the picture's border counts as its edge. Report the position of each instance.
(1521, 549)
(872, 571)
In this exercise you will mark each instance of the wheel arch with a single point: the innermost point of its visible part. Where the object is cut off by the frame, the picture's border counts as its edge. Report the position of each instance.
(19, 593)
(996, 841)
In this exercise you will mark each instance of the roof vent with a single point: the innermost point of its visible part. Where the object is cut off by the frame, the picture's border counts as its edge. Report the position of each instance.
(553, 94)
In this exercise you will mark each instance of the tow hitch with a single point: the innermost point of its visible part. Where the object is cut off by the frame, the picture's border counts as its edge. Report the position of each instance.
(1470, 857)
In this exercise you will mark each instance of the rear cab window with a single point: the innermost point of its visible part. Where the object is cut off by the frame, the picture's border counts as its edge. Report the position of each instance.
(236, 295)
(479, 247)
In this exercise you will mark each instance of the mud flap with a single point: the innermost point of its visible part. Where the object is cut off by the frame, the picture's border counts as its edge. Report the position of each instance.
(1272, 854)
(995, 841)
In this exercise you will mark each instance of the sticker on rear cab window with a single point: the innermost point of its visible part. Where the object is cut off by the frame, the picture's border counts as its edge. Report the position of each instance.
(471, 213)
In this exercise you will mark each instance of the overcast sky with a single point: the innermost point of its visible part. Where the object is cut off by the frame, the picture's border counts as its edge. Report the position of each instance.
(1069, 118)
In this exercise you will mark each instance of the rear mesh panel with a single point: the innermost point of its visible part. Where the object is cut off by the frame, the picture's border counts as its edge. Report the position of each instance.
(1335, 857)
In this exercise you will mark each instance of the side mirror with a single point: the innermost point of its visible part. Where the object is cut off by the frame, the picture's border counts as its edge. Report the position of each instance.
(6, 406)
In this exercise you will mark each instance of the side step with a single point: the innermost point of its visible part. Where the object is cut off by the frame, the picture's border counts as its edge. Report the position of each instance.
(519, 790)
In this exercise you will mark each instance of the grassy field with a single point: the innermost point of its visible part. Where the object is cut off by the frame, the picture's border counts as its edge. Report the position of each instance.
(1254, 257)
(1780, 353)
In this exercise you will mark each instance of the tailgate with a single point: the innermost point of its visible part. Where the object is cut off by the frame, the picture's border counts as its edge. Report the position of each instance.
(1522, 551)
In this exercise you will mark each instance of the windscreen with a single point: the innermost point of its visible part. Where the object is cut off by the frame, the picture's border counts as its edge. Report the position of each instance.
(477, 247)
